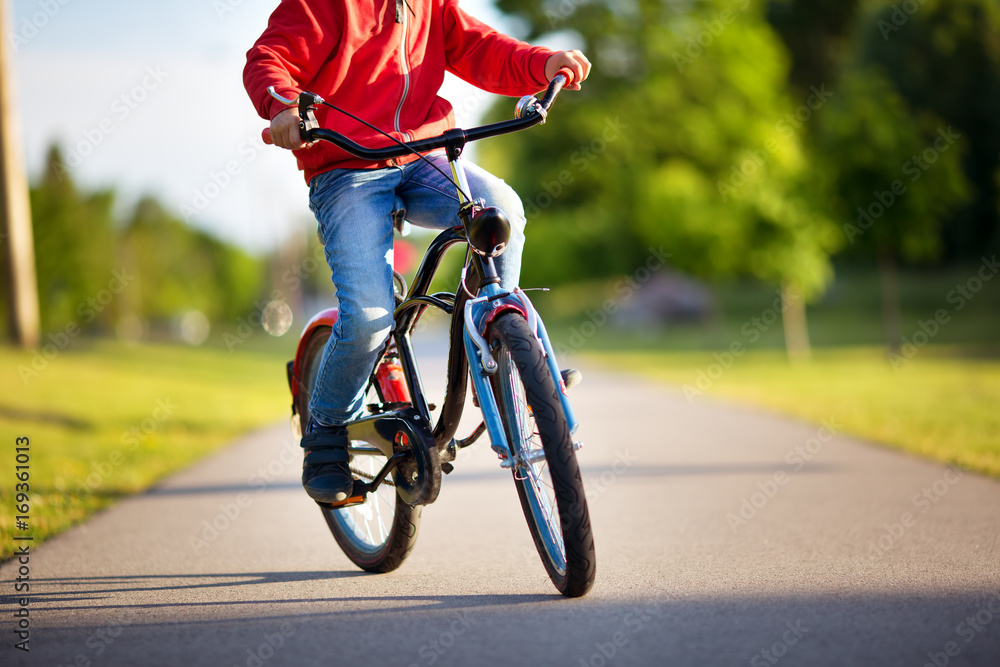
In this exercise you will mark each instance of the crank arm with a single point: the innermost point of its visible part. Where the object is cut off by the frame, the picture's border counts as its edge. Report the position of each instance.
(389, 466)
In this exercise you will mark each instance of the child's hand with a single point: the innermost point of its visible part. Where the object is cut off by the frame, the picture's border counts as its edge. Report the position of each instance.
(285, 130)
(574, 60)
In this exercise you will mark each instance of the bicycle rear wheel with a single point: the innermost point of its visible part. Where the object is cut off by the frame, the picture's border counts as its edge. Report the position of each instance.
(378, 534)
(546, 472)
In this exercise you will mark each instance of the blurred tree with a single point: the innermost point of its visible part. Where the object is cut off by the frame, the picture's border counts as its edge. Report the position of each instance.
(944, 57)
(179, 269)
(819, 35)
(92, 272)
(898, 177)
(682, 139)
(74, 247)
(910, 69)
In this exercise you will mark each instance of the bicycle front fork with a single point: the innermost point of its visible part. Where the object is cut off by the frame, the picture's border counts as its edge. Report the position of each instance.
(479, 312)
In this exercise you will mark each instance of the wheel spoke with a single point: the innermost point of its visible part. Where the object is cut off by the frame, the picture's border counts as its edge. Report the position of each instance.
(371, 522)
(526, 445)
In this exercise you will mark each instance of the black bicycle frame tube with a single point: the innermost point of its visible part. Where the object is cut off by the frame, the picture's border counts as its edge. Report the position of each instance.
(406, 312)
(405, 317)
(458, 369)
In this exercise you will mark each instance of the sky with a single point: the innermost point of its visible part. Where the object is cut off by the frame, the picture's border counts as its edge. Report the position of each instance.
(147, 98)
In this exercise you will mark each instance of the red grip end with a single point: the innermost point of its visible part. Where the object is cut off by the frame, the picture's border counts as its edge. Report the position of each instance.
(266, 136)
(568, 73)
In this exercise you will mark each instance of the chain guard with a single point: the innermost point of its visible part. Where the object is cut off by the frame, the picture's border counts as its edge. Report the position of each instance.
(417, 478)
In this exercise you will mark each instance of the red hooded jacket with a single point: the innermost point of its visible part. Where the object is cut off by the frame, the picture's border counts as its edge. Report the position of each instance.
(384, 61)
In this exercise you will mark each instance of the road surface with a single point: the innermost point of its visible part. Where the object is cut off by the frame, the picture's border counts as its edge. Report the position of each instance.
(725, 536)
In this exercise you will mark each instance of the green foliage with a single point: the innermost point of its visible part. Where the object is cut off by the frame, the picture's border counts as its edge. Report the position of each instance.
(703, 91)
(898, 174)
(93, 272)
(74, 247)
(818, 35)
(180, 268)
(679, 139)
(944, 58)
(904, 69)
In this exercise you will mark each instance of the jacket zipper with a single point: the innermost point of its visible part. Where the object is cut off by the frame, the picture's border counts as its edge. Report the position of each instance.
(406, 74)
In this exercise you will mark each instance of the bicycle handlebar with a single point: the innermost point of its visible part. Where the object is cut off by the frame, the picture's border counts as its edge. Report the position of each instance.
(530, 111)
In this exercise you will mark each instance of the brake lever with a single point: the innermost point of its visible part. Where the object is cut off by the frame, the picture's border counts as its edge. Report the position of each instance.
(306, 102)
(281, 98)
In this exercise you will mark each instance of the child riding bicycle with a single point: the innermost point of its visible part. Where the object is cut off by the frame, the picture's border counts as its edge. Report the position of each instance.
(383, 61)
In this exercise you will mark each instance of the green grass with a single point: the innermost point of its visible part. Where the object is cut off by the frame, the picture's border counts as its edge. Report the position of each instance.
(941, 404)
(108, 419)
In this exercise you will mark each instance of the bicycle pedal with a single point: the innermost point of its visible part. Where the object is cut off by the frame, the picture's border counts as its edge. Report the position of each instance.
(347, 502)
(571, 377)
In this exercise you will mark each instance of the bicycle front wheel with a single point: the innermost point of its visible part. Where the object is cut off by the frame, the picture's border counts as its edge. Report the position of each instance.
(546, 472)
(380, 533)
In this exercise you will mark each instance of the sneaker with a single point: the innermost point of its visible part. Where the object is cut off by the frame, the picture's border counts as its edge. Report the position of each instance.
(326, 475)
(571, 377)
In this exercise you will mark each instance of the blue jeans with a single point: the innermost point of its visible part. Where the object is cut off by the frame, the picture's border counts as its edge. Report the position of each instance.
(354, 209)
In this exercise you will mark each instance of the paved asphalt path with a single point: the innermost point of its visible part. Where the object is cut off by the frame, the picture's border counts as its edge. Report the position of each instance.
(845, 554)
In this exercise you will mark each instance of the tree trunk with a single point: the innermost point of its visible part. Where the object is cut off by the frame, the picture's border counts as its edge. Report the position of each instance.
(18, 246)
(888, 278)
(793, 309)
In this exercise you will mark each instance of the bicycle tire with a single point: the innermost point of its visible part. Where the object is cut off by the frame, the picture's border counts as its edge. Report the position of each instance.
(534, 422)
(352, 527)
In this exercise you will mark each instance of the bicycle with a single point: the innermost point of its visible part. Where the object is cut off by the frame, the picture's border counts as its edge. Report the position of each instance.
(499, 341)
